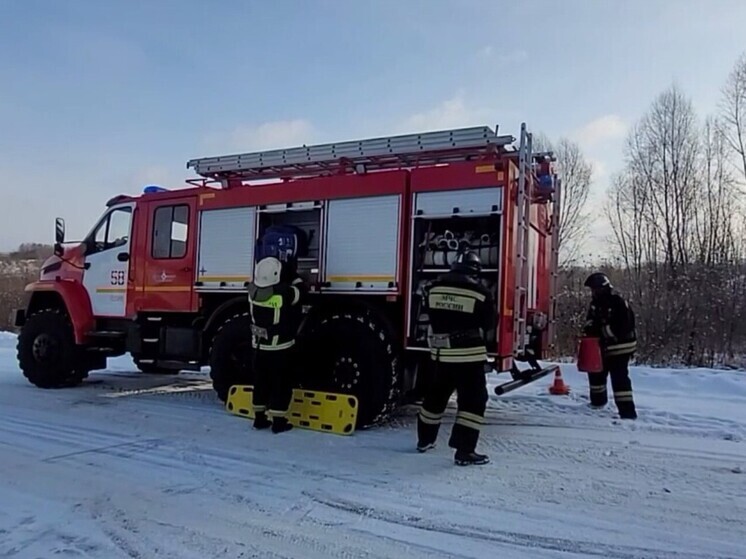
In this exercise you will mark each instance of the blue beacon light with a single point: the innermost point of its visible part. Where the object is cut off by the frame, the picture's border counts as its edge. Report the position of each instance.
(153, 188)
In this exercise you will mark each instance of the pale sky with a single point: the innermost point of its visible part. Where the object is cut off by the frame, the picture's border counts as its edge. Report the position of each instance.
(103, 97)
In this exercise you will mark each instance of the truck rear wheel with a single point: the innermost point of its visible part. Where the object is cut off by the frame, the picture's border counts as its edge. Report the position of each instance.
(47, 351)
(353, 353)
(231, 355)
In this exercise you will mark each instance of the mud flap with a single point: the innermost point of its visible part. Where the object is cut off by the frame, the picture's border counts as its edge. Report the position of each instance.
(317, 411)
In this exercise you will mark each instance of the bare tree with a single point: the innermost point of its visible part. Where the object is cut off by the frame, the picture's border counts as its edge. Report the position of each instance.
(715, 216)
(676, 230)
(576, 174)
(662, 155)
(733, 111)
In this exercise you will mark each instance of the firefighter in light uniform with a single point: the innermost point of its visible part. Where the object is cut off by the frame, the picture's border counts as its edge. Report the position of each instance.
(275, 297)
(611, 319)
(461, 312)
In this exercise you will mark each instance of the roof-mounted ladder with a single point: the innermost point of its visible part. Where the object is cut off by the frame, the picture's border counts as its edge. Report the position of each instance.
(374, 154)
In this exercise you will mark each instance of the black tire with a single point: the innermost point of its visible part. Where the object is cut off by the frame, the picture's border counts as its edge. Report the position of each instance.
(231, 355)
(47, 353)
(152, 369)
(353, 353)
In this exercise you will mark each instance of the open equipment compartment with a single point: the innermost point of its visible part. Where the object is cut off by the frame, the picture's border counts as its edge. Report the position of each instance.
(439, 234)
(308, 218)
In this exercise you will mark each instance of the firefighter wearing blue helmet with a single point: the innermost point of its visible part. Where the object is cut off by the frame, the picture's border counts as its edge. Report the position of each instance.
(275, 297)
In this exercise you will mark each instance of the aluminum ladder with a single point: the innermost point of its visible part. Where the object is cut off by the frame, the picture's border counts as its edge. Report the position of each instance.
(554, 279)
(393, 152)
(522, 242)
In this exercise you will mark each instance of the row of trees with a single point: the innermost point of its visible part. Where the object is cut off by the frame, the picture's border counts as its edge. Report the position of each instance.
(17, 269)
(677, 247)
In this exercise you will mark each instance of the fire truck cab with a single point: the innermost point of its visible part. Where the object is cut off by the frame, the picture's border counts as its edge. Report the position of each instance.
(164, 275)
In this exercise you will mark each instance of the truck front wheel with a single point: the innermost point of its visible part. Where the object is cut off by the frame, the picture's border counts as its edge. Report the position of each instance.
(231, 355)
(47, 351)
(353, 353)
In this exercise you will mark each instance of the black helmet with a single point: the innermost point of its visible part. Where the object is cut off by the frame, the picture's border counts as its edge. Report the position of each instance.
(598, 280)
(467, 263)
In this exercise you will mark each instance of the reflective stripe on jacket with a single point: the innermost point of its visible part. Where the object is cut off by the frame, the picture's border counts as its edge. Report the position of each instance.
(611, 319)
(275, 315)
(461, 311)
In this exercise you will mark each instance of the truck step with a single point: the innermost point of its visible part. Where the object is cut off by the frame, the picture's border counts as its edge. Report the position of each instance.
(108, 334)
(174, 364)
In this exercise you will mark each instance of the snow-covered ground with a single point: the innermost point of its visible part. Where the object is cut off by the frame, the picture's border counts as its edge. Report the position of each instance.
(112, 469)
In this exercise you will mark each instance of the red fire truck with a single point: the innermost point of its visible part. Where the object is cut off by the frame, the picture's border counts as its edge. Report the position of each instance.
(164, 275)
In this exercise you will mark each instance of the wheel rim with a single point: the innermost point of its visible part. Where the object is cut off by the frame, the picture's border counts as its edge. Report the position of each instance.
(46, 348)
(346, 373)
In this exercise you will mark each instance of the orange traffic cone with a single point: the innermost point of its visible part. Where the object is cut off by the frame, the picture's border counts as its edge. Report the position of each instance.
(558, 387)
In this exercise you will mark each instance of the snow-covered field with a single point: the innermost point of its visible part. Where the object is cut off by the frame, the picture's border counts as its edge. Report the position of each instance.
(113, 470)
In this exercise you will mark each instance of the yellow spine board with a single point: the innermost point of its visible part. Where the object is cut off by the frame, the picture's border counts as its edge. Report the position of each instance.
(318, 411)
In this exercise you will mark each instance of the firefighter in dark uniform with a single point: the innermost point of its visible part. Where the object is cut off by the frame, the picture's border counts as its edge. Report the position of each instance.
(611, 319)
(275, 297)
(461, 312)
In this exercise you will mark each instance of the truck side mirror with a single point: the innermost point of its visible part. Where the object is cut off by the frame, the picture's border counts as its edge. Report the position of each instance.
(59, 235)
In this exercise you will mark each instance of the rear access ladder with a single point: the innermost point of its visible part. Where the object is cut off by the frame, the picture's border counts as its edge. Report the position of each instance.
(524, 196)
(374, 154)
(522, 242)
(554, 279)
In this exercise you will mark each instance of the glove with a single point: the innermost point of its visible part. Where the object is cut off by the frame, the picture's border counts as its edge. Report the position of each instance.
(488, 368)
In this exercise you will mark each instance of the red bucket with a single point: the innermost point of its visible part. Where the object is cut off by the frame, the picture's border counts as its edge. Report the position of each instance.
(589, 356)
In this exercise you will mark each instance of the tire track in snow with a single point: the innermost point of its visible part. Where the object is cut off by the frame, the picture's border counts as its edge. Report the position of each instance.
(261, 536)
(513, 539)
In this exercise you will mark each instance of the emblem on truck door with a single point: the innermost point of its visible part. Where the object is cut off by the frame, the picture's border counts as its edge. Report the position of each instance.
(163, 277)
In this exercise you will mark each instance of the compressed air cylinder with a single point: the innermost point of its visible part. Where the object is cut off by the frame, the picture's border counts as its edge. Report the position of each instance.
(492, 259)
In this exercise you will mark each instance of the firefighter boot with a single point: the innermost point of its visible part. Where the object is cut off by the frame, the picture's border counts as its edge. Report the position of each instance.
(261, 421)
(599, 396)
(424, 447)
(280, 425)
(626, 409)
(464, 458)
